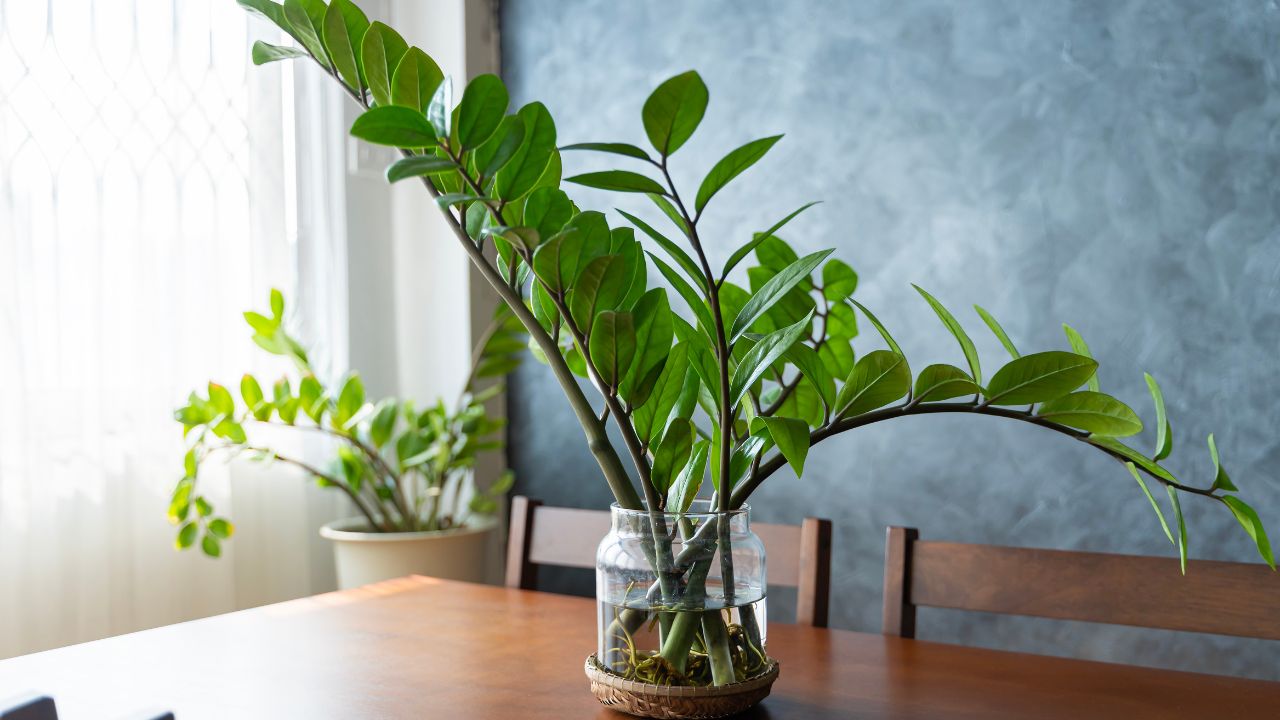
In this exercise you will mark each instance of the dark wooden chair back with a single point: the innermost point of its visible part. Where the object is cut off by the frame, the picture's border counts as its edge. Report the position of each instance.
(1222, 598)
(799, 556)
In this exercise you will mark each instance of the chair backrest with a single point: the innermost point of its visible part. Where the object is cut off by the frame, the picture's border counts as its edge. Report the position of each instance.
(1222, 598)
(799, 555)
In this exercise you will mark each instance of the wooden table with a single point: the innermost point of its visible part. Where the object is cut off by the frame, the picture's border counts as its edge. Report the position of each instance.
(419, 647)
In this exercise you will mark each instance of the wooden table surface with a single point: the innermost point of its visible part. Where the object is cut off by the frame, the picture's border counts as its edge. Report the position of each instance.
(420, 647)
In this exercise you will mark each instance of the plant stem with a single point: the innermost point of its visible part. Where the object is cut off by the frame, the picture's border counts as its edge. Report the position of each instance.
(716, 637)
(776, 462)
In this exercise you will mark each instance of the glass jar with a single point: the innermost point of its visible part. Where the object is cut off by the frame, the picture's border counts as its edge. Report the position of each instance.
(666, 613)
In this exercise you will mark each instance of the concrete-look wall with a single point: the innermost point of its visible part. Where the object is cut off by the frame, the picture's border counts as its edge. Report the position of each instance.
(1114, 165)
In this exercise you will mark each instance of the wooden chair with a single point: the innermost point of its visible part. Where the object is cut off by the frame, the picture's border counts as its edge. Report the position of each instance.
(799, 556)
(1222, 598)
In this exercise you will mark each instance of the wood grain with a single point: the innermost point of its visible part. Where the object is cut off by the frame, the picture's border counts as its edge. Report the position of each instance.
(419, 647)
(1223, 598)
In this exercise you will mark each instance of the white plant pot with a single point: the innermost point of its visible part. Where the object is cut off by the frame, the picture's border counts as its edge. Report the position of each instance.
(364, 557)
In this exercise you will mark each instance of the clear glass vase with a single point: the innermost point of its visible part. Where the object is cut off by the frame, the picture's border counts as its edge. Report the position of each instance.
(666, 613)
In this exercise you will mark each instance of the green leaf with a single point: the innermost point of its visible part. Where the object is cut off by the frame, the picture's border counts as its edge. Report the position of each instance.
(998, 331)
(743, 251)
(759, 358)
(415, 82)
(1039, 377)
(221, 401)
(773, 291)
(792, 438)
(599, 288)
(190, 464)
(498, 150)
(613, 345)
(439, 107)
(691, 297)
(949, 320)
(306, 17)
(210, 545)
(838, 281)
(673, 111)
(380, 54)
(730, 167)
(277, 305)
(654, 331)
(203, 508)
(311, 397)
(221, 528)
(651, 417)
(547, 210)
(878, 378)
(384, 422)
(613, 148)
(842, 323)
(395, 126)
(269, 10)
(1221, 481)
(484, 103)
(880, 328)
(671, 212)
(1182, 526)
(1252, 524)
(1079, 347)
(1126, 453)
(812, 367)
(944, 382)
(837, 357)
(419, 166)
(350, 400)
(1093, 412)
(689, 481)
(264, 53)
(187, 535)
(521, 174)
(671, 455)
(618, 181)
(1151, 498)
(1164, 432)
(251, 391)
(344, 29)
(677, 253)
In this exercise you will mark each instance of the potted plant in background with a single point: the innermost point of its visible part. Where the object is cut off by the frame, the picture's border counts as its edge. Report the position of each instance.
(407, 470)
(742, 382)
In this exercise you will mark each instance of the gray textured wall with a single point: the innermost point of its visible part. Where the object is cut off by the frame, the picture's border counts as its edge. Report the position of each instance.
(1109, 164)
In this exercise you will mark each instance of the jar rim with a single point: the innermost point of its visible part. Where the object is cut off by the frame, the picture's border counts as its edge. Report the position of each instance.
(699, 508)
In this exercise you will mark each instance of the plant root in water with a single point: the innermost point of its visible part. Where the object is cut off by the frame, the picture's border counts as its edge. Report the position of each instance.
(648, 667)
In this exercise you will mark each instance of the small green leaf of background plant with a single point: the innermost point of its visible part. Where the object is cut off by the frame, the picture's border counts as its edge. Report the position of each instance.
(1080, 347)
(838, 280)
(1039, 377)
(943, 382)
(730, 167)
(673, 111)
(1092, 412)
(878, 378)
(953, 325)
(811, 366)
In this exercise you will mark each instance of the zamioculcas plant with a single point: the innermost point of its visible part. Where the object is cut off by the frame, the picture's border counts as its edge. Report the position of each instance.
(406, 469)
(737, 381)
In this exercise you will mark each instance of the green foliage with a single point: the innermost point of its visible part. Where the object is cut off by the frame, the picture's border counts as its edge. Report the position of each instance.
(403, 468)
(773, 362)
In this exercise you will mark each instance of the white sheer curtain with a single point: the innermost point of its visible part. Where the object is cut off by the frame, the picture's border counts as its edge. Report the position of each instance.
(150, 191)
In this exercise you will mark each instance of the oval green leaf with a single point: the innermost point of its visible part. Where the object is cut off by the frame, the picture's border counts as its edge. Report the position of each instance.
(878, 378)
(1093, 412)
(672, 112)
(730, 167)
(1039, 377)
(944, 382)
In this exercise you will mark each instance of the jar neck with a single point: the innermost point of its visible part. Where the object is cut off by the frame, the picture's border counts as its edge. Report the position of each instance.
(640, 522)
